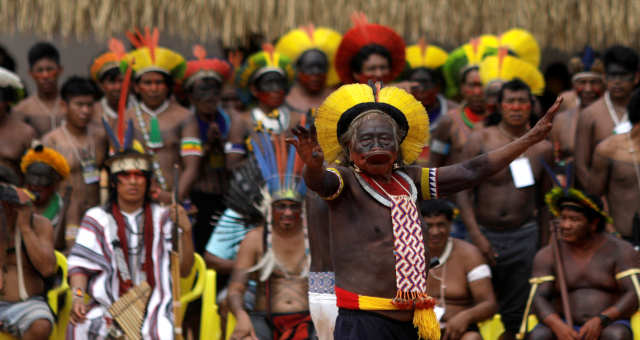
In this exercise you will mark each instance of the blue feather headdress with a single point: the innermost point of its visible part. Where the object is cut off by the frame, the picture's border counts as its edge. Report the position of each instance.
(280, 166)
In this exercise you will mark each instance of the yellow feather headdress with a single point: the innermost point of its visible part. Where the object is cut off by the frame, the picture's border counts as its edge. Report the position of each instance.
(48, 156)
(425, 55)
(523, 44)
(505, 67)
(300, 40)
(346, 103)
(149, 57)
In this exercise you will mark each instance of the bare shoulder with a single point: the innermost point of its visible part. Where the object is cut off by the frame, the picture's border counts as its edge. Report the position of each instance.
(468, 251)
(543, 147)
(52, 137)
(42, 224)
(254, 237)
(593, 110)
(610, 145)
(19, 127)
(615, 244)
(544, 255)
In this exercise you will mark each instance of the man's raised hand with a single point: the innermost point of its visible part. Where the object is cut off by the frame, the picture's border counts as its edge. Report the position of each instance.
(543, 126)
(307, 147)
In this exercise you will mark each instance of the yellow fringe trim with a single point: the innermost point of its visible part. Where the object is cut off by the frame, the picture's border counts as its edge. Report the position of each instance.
(427, 324)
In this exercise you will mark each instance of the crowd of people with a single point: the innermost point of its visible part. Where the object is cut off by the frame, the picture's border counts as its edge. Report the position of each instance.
(342, 186)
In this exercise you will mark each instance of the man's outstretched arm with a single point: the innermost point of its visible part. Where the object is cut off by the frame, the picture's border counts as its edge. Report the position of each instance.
(461, 176)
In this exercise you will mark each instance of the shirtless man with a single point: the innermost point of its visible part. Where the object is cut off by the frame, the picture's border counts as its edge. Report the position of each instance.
(370, 137)
(607, 115)
(461, 281)
(276, 255)
(83, 145)
(268, 84)
(588, 86)
(616, 172)
(43, 110)
(107, 74)
(169, 131)
(598, 269)
(23, 309)
(454, 128)
(501, 216)
(44, 168)
(16, 135)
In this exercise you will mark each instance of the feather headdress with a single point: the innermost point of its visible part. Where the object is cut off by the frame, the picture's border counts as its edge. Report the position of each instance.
(464, 57)
(297, 41)
(204, 67)
(11, 80)
(362, 34)
(523, 44)
(425, 55)
(149, 57)
(259, 63)
(113, 59)
(48, 156)
(504, 67)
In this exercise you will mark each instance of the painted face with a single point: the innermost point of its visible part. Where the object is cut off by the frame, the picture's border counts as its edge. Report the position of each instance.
(491, 96)
(45, 73)
(515, 107)
(376, 67)
(574, 226)
(589, 89)
(79, 110)
(41, 179)
(312, 69)
(438, 229)
(230, 99)
(270, 89)
(131, 185)
(205, 95)
(473, 91)
(112, 87)
(152, 88)
(620, 81)
(426, 92)
(287, 215)
(374, 148)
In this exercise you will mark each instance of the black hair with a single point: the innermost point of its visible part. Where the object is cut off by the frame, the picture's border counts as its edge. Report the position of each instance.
(358, 60)
(111, 74)
(43, 50)
(78, 86)
(623, 56)
(465, 73)
(6, 60)
(588, 213)
(515, 85)
(168, 80)
(8, 94)
(634, 107)
(437, 207)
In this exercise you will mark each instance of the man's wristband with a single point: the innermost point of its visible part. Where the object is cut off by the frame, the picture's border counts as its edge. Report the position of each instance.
(604, 320)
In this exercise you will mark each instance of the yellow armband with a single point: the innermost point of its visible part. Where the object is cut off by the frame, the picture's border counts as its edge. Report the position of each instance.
(429, 183)
(340, 185)
(633, 272)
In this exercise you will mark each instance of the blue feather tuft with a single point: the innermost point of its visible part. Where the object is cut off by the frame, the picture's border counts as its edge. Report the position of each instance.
(588, 58)
(550, 172)
(111, 134)
(128, 136)
(262, 162)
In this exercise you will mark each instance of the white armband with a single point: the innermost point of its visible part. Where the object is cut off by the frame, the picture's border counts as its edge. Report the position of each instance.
(480, 272)
(440, 147)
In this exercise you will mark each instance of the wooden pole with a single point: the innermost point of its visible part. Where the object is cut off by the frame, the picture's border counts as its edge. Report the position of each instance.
(560, 273)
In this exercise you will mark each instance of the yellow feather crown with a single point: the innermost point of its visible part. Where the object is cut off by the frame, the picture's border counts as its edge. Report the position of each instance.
(523, 44)
(348, 96)
(48, 156)
(164, 61)
(300, 40)
(507, 67)
(422, 55)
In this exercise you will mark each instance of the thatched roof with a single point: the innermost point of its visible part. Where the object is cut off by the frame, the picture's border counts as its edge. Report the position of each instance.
(566, 25)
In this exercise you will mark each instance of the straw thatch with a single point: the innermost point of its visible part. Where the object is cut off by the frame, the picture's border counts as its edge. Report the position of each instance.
(566, 25)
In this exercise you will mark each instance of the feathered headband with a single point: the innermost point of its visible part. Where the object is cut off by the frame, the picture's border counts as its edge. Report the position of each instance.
(345, 104)
(425, 55)
(149, 57)
(504, 67)
(280, 166)
(11, 80)
(464, 57)
(202, 67)
(114, 59)
(362, 34)
(586, 65)
(295, 43)
(48, 156)
(267, 60)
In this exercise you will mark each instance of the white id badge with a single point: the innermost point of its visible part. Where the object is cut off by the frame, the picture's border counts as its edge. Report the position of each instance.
(623, 127)
(439, 312)
(90, 173)
(521, 173)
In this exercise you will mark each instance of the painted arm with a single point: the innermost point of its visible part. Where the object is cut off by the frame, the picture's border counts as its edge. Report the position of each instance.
(190, 162)
(246, 259)
(37, 235)
(465, 175)
(583, 149)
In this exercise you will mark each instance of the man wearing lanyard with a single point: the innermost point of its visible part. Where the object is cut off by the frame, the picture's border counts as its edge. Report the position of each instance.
(84, 145)
(607, 115)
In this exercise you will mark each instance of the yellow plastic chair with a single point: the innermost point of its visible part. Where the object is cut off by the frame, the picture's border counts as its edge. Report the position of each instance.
(60, 327)
(231, 324)
(210, 319)
(192, 286)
